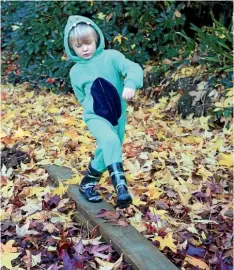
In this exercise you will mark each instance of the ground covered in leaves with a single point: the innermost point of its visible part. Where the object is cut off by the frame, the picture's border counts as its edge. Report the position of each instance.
(179, 173)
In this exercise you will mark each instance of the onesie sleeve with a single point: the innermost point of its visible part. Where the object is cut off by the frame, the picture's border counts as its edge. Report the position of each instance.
(132, 72)
(79, 93)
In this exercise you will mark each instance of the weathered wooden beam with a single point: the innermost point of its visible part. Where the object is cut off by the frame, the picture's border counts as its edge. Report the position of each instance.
(137, 250)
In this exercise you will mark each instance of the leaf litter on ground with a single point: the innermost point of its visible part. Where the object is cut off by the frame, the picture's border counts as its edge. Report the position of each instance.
(179, 173)
(33, 213)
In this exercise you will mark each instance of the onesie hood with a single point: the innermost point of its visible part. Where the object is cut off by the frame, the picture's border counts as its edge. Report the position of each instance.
(73, 21)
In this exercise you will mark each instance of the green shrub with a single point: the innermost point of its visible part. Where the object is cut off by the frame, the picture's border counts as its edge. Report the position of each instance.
(213, 46)
(33, 30)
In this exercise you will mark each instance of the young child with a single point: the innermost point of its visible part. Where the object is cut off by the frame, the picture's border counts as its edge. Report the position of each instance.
(97, 81)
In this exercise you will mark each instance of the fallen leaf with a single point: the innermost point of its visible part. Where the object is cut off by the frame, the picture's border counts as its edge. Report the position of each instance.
(109, 266)
(60, 190)
(167, 241)
(8, 248)
(7, 258)
(196, 262)
(74, 181)
(22, 231)
(226, 160)
(50, 227)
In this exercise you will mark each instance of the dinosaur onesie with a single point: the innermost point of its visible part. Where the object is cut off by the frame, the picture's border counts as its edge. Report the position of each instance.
(98, 85)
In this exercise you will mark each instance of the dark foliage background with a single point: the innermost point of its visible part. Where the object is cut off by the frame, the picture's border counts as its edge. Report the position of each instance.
(32, 34)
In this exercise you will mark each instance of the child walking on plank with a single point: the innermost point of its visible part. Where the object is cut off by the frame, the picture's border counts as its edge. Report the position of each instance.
(97, 80)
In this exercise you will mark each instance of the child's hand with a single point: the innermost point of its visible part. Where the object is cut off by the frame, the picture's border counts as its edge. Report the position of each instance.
(128, 93)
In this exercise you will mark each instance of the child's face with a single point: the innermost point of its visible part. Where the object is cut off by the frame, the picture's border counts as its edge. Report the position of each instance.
(85, 50)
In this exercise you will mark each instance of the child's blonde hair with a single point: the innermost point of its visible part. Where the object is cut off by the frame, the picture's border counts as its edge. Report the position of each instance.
(82, 33)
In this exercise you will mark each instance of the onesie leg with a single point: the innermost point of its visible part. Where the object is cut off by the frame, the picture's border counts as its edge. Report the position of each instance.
(121, 127)
(98, 161)
(108, 142)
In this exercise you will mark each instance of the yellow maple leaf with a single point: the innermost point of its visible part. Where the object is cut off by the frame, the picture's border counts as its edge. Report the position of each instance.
(137, 201)
(73, 181)
(167, 241)
(216, 143)
(187, 160)
(136, 221)
(119, 38)
(192, 140)
(160, 136)
(7, 191)
(10, 115)
(204, 122)
(5, 214)
(38, 191)
(38, 216)
(197, 206)
(129, 166)
(53, 110)
(161, 213)
(6, 259)
(183, 198)
(60, 217)
(29, 95)
(60, 190)
(225, 160)
(230, 92)
(204, 173)
(71, 134)
(129, 177)
(154, 193)
(83, 139)
(104, 265)
(196, 262)
(71, 121)
(20, 133)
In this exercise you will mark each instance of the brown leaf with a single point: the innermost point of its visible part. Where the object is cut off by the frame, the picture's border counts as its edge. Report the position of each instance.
(50, 227)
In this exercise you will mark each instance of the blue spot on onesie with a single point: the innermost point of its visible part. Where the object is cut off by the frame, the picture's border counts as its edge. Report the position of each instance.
(98, 85)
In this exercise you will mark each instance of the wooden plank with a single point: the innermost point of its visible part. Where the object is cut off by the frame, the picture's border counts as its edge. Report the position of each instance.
(137, 250)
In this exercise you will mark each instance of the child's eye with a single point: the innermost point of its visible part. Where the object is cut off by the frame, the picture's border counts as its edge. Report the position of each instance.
(78, 45)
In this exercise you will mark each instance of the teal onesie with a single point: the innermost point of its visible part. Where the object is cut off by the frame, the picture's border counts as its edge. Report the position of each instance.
(98, 84)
